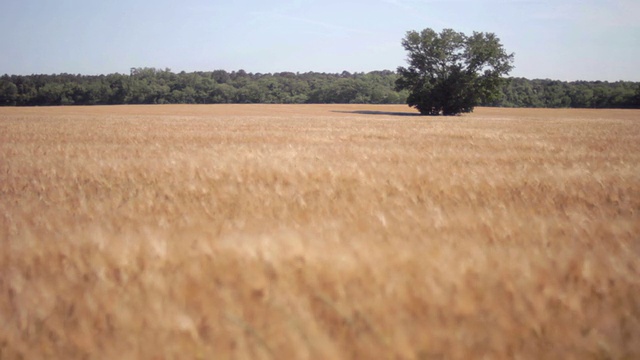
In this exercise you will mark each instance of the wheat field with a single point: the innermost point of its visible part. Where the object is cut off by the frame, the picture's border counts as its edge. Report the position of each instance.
(318, 232)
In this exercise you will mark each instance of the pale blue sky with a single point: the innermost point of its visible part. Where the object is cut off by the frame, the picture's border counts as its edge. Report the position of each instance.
(563, 39)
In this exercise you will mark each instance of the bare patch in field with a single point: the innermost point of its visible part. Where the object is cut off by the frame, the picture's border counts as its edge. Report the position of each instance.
(318, 231)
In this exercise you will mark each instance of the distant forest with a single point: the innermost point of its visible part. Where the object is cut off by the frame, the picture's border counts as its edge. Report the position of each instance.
(157, 86)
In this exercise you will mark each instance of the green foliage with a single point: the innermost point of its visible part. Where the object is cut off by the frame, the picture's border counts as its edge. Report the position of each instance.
(520, 92)
(450, 73)
(154, 86)
(8, 91)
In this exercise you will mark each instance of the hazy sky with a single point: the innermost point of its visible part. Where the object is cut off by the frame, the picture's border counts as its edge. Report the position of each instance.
(562, 39)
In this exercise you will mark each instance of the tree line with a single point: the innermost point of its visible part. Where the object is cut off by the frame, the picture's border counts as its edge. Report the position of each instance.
(162, 86)
(156, 86)
(520, 92)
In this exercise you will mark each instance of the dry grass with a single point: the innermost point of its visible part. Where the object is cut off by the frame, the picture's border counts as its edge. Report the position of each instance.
(318, 232)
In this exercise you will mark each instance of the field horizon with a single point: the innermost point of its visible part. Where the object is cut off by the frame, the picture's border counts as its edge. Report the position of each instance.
(318, 231)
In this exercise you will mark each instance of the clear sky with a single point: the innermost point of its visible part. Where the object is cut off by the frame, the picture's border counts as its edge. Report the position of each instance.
(562, 39)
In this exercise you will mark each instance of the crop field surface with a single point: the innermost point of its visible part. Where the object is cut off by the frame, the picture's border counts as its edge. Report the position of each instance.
(318, 232)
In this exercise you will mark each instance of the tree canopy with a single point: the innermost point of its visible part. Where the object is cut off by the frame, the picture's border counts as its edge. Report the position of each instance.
(450, 73)
(156, 86)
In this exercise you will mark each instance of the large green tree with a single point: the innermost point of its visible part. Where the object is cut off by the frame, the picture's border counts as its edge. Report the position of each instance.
(450, 73)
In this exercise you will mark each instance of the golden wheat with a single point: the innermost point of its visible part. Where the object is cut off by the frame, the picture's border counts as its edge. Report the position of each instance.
(318, 232)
